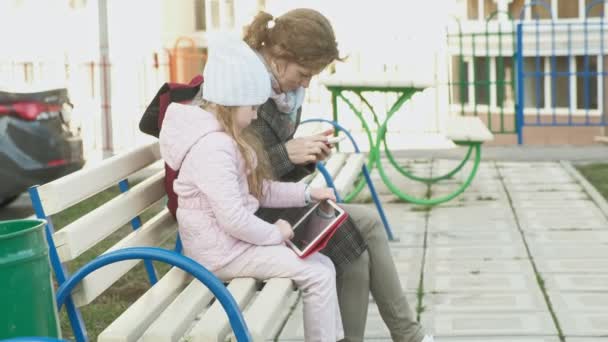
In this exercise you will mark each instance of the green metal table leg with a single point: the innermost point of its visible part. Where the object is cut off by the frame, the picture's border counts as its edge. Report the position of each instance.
(374, 146)
(372, 152)
(432, 201)
(427, 180)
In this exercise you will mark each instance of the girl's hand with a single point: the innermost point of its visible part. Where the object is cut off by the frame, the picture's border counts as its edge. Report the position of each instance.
(321, 194)
(285, 229)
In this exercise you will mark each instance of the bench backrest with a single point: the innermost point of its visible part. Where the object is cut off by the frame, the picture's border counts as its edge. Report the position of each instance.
(87, 231)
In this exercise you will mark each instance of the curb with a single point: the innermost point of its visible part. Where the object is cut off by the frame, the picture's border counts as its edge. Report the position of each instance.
(599, 200)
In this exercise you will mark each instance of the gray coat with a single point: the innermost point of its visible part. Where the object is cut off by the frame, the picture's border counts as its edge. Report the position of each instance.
(275, 129)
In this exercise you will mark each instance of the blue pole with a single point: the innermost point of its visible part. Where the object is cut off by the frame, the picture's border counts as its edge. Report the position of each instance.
(328, 180)
(74, 315)
(123, 185)
(377, 202)
(519, 120)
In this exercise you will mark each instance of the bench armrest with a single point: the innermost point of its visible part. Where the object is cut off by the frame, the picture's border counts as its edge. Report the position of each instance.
(170, 257)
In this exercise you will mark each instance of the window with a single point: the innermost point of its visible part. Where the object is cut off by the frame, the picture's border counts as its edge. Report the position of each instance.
(586, 80)
(567, 9)
(200, 21)
(480, 9)
(596, 11)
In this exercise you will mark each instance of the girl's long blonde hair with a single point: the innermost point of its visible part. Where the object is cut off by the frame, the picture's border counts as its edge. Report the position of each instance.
(248, 143)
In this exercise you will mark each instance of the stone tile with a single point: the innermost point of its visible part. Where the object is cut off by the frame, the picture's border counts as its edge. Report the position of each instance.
(593, 266)
(585, 302)
(520, 179)
(587, 210)
(549, 196)
(477, 302)
(405, 239)
(466, 238)
(586, 339)
(584, 324)
(568, 251)
(408, 254)
(478, 266)
(561, 223)
(409, 268)
(516, 251)
(409, 282)
(494, 211)
(582, 204)
(499, 339)
(479, 283)
(577, 282)
(563, 237)
(375, 327)
(486, 324)
(472, 225)
(548, 187)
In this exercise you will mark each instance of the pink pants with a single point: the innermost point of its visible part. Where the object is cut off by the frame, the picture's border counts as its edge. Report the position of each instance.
(315, 276)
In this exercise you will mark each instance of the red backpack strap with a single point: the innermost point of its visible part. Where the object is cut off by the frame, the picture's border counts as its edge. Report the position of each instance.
(174, 92)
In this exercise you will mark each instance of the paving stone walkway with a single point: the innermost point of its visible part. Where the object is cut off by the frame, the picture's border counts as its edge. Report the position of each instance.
(521, 256)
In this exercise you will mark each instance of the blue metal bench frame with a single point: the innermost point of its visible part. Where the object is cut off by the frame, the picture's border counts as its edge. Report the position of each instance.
(148, 254)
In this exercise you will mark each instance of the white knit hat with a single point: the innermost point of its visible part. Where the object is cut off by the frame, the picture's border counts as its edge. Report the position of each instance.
(234, 75)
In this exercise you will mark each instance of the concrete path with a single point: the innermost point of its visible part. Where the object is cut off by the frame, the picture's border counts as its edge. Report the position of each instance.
(522, 256)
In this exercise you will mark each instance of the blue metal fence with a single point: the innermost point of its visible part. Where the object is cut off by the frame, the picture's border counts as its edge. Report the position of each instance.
(561, 71)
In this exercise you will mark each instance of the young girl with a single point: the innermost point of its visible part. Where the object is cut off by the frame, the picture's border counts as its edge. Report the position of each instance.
(222, 182)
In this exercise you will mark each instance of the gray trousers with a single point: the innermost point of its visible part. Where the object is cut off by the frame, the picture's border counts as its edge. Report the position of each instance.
(374, 272)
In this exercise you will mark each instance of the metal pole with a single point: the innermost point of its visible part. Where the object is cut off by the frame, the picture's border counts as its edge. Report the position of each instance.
(105, 81)
(520, 84)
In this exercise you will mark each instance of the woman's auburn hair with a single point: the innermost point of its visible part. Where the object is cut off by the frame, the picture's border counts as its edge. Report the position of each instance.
(249, 144)
(302, 35)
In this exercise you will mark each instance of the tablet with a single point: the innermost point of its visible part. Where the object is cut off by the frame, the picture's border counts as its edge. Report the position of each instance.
(311, 229)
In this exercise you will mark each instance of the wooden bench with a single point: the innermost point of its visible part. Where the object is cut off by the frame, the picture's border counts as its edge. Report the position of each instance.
(176, 305)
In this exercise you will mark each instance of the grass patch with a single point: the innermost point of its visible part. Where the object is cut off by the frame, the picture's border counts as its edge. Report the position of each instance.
(596, 174)
(103, 310)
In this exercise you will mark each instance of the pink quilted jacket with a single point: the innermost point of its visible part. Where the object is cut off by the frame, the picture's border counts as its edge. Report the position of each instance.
(216, 212)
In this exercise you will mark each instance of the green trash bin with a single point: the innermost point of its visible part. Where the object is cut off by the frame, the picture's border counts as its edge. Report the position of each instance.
(27, 298)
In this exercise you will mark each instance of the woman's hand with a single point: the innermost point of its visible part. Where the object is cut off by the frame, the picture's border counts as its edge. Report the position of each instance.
(285, 229)
(309, 149)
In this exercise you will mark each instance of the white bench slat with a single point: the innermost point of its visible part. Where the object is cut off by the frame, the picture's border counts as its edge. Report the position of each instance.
(82, 234)
(214, 325)
(178, 317)
(132, 323)
(467, 128)
(345, 180)
(73, 188)
(601, 139)
(333, 166)
(268, 308)
(153, 233)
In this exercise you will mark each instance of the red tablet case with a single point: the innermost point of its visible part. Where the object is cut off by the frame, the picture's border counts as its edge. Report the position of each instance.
(321, 243)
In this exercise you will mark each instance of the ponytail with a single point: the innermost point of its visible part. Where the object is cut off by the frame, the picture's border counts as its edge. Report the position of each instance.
(257, 33)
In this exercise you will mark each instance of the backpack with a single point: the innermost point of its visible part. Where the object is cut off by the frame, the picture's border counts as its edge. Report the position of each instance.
(152, 121)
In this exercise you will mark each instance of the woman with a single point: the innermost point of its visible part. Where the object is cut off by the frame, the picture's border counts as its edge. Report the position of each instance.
(295, 47)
